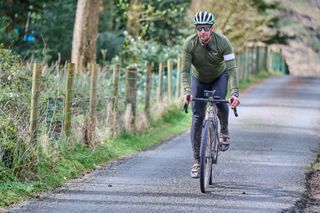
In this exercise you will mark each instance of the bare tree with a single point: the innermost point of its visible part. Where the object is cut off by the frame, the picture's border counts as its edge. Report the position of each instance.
(85, 33)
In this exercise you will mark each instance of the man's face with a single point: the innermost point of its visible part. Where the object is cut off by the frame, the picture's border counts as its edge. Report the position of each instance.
(204, 31)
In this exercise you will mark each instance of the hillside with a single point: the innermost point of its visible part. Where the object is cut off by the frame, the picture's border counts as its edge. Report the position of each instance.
(301, 19)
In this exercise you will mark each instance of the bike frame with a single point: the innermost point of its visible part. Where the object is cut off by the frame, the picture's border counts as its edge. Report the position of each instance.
(209, 137)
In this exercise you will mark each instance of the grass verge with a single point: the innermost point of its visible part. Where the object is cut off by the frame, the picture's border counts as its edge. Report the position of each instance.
(53, 172)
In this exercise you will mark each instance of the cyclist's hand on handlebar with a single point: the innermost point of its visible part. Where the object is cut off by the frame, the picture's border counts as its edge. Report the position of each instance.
(187, 98)
(234, 102)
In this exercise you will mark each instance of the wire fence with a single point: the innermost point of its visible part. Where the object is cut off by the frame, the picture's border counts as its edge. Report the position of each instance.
(66, 108)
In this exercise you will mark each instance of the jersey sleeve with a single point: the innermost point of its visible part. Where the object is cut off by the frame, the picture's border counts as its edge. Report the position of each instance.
(230, 60)
(186, 66)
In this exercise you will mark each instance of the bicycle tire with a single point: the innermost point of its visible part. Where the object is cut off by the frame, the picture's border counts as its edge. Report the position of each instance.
(206, 156)
(215, 151)
(215, 144)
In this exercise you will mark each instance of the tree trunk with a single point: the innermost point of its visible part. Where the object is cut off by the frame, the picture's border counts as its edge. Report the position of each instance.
(85, 33)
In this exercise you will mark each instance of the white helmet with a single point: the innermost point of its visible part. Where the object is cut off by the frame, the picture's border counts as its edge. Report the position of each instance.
(203, 17)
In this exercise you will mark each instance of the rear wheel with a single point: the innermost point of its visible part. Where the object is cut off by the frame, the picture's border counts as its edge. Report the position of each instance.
(206, 159)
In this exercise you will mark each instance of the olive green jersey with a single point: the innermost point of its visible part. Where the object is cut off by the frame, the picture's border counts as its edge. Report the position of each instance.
(209, 62)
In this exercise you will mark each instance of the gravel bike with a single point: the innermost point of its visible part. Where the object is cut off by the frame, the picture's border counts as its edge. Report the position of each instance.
(209, 147)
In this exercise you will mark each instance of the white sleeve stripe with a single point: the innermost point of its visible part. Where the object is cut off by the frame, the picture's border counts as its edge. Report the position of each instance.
(229, 57)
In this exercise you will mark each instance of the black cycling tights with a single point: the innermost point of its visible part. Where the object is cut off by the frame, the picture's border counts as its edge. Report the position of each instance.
(199, 108)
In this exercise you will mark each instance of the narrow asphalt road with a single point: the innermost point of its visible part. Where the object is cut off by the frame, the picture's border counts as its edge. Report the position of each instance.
(274, 139)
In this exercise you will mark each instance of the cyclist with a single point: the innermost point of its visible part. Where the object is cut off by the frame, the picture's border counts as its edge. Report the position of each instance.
(213, 60)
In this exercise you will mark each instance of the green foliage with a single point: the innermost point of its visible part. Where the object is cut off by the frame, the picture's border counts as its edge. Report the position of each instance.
(8, 139)
(113, 48)
(53, 21)
(56, 169)
(14, 82)
(121, 14)
(14, 99)
(139, 51)
(6, 37)
(161, 26)
(162, 21)
(271, 21)
(263, 6)
(278, 38)
(54, 29)
(16, 13)
(107, 16)
(162, 29)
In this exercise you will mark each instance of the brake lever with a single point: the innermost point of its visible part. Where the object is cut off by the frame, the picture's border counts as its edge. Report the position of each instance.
(235, 111)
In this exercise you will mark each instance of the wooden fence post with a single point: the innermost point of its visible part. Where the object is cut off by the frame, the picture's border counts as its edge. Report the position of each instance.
(254, 57)
(159, 90)
(148, 89)
(250, 60)
(243, 64)
(252, 64)
(265, 58)
(114, 107)
(238, 64)
(57, 65)
(170, 68)
(283, 63)
(261, 58)
(178, 80)
(68, 102)
(131, 97)
(270, 59)
(257, 59)
(93, 104)
(65, 68)
(181, 85)
(36, 79)
(247, 62)
(279, 60)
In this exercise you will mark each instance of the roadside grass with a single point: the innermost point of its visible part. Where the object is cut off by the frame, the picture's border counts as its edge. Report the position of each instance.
(52, 172)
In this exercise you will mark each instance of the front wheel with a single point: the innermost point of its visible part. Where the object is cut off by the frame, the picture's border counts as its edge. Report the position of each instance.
(207, 137)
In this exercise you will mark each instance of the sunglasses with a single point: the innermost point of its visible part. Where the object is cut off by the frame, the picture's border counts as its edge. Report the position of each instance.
(205, 28)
